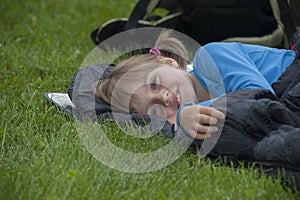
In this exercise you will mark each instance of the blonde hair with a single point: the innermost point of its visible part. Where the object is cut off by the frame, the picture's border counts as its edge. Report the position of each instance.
(136, 68)
(171, 47)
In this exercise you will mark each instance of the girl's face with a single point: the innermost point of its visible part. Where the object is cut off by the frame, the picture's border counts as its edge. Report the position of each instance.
(162, 92)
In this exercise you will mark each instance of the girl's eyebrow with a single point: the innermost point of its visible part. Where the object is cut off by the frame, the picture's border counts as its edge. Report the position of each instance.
(148, 78)
(135, 101)
(132, 104)
(134, 111)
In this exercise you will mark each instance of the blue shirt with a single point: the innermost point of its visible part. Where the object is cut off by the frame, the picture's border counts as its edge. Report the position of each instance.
(226, 67)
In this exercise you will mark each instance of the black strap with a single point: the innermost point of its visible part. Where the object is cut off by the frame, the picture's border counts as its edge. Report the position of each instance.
(287, 18)
(138, 13)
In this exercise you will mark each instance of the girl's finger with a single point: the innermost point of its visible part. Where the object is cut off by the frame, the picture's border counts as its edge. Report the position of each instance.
(206, 119)
(203, 129)
(211, 111)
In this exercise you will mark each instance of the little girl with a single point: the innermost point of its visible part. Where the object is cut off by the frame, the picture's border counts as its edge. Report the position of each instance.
(260, 84)
(159, 84)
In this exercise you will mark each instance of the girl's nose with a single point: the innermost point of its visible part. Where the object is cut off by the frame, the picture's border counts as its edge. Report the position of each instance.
(163, 97)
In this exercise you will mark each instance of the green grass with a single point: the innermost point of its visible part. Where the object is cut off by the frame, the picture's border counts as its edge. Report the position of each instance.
(42, 43)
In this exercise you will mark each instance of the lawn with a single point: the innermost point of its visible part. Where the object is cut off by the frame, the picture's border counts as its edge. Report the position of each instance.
(42, 44)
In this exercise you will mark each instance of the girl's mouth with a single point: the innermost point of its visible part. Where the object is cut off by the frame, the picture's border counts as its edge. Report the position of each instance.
(177, 99)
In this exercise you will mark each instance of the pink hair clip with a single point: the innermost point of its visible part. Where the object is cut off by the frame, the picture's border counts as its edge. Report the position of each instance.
(155, 51)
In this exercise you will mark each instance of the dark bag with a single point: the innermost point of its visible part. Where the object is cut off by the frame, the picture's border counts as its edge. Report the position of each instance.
(263, 22)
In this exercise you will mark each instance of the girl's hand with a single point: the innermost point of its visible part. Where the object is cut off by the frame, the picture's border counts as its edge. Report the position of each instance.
(199, 121)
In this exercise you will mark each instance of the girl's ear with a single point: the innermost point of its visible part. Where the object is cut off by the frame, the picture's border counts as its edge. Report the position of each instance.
(168, 61)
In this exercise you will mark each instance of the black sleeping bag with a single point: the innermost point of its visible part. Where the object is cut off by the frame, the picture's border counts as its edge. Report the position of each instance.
(260, 127)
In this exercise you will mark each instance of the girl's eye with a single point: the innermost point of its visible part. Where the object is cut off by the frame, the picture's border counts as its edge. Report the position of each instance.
(154, 110)
(154, 83)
